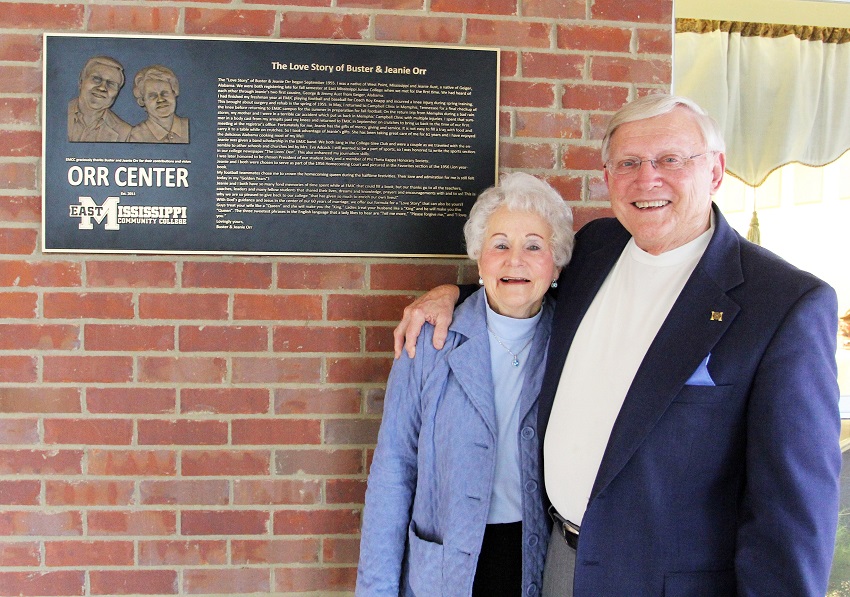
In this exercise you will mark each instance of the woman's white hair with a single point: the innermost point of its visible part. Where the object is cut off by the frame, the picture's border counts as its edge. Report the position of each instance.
(657, 104)
(519, 191)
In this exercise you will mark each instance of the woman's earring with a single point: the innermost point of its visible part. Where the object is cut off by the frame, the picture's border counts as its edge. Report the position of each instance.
(554, 283)
(480, 281)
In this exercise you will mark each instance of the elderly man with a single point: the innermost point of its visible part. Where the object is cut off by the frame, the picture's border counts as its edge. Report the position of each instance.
(156, 89)
(689, 408)
(89, 115)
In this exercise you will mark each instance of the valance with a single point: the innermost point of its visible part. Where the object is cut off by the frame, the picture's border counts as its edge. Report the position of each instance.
(781, 93)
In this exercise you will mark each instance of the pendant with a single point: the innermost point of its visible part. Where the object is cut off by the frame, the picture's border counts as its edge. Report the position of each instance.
(515, 362)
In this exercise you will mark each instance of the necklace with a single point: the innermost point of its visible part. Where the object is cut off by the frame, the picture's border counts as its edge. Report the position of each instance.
(515, 355)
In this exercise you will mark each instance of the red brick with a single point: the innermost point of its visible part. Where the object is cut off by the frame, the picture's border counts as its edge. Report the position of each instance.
(367, 307)
(85, 369)
(225, 462)
(183, 306)
(553, 125)
(411, 276)
(41, 337)
(217, 338)
(278, 307)
(181, 432)
(134, 463)
(231, 581)
(594, 38)
(43, 17)
(299, 401)
(91, 492)
(568, 187)
(122, 522)
(382, 4)
(18, 431)
(90, 305)
(379, 338)
(340, 550)
(224, 401)
(513, 34)
(17, 369)
(131, 274)
(63, 582)
(525, 155)
(182, 369)
(552, 66)
(324, 580)
(584, 215)
(351, 431)
(19, 48)
(39, 400)
(581, 157)
(227, 275)
(18, 305)
(523, 94)
(554, 9)
(415, 28)
(88, 431)
(136, 338)
(594, 97)
(597, 189)
(129, 582)
(655, 41)
(207, 492)
(209, 21)
(40, 524)
(275, 431)
(20, 492)
(324, 25)
(17, 241)
(88, 553)
(358, 370)
(374, 398)
(135, 400)
(19, 553)
(22, 274)
(313, 3)
(345, 491)
(182, 553)
(224, 522)
(508, 63)
(138, 19)
(21, 209)
(19, 79)
(275, 551)
(276, 370)
(634, 70)
(640, 12)
(40, 462)
(487, 7)
(323, 276)
(276, 491)
(316, 522)
(20, 144)
(316, 339)
(318, 462)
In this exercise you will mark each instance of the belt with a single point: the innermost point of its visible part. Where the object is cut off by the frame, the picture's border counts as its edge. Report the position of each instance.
(565, 528)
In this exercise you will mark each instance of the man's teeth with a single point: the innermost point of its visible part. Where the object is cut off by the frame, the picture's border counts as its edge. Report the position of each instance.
(645, 204)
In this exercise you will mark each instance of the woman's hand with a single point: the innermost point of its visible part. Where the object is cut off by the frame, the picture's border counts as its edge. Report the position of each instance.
(437, 308)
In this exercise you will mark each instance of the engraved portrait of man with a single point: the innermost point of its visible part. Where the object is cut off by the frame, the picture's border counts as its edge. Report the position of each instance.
(156, 89)
(90, 117)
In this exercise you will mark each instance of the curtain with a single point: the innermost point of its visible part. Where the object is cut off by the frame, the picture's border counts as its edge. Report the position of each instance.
(781, 93)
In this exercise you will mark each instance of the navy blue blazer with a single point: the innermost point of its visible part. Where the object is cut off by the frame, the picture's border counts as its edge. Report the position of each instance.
(713, 490)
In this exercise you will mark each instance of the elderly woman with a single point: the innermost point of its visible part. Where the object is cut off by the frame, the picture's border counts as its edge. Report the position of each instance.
(156, 89)
(453, 504)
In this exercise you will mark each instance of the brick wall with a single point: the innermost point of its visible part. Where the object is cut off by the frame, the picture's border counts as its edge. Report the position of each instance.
(183, 425)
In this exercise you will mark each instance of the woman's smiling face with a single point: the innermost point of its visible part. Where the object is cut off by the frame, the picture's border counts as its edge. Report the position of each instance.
(516, 262)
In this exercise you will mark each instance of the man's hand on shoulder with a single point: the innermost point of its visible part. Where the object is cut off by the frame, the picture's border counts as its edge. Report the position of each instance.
(436, 307)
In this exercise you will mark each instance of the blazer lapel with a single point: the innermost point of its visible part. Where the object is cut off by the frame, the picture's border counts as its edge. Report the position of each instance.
(699, 318)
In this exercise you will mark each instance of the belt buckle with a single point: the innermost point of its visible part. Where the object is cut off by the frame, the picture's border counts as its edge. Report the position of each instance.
(568, 530)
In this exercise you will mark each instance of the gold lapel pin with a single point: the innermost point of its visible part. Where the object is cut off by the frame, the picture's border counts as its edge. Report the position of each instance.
(716, 316)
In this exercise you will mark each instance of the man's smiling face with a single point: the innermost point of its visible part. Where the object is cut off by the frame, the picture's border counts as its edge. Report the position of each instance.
(664, 210)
